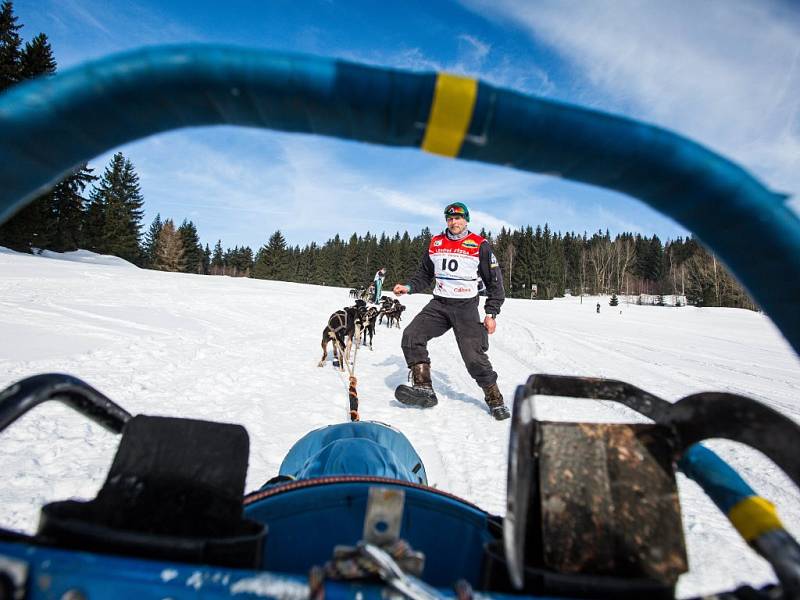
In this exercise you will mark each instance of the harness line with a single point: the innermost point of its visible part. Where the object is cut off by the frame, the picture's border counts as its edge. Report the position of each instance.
(352, 392)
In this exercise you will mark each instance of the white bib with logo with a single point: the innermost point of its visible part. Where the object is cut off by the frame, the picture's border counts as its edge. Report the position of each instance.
(455, 265)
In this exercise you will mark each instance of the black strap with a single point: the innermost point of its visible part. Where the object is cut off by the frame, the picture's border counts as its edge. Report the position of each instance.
(174, 491)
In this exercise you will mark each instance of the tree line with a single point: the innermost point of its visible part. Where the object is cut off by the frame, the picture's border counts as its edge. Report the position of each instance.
(104, 214)
(530, 258)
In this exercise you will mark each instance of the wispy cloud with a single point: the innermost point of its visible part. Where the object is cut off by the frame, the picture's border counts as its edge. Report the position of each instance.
(478, 48)
(475, 58)
(84, 17)
(409, 58)
(108, 27)
(725, 73)
(431, 207)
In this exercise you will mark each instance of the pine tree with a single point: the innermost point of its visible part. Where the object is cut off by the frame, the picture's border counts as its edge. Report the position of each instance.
(206, 260)
(270, 261)
(537, 275)
(521, 279)
(32, 226)
(246, 261)
(368, 258)
(238, 262)
(382, 257)
(94, 217)
(150, 247)
(655, 259)
(169, 255)
(614, 300)
(549, 265)
(119, 200)
(408, 258)
(229, 261)
(67, 212)
(37, 58)
(192, 249)
(217, 261)
(348, 264)
(10, 46)
(311, 265)
(394, 258)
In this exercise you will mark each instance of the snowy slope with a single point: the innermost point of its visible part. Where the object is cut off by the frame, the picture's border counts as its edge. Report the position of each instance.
(246, 351)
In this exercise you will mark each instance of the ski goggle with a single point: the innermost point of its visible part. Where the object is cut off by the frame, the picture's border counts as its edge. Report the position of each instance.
(455, 211)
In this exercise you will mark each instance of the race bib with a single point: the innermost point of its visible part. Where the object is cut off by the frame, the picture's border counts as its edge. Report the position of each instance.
(455, 265)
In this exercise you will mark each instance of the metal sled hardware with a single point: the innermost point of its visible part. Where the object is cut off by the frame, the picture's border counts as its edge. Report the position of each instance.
(25, 395)
(617, 482)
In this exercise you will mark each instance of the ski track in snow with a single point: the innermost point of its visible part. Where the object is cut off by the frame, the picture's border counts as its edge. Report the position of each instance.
(246, 351)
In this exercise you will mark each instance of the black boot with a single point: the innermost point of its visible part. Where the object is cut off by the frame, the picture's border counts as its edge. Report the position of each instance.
(420, 393)
(494, 400)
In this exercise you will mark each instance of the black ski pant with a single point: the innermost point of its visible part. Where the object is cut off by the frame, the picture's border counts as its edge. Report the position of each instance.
(438, 316)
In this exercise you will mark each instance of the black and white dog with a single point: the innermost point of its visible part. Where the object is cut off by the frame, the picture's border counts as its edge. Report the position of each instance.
(395, 314)
(341, 330)
(370, 317)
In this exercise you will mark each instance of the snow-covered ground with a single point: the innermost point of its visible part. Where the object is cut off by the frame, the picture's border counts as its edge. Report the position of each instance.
(246, 351)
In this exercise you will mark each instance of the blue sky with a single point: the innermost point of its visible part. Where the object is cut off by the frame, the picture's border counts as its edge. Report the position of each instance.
(723, 72)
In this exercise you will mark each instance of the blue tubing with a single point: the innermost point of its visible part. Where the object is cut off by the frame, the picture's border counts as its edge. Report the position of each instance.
(719, 481)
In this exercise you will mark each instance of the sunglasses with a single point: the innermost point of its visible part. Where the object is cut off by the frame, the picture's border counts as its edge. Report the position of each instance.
(454, 211)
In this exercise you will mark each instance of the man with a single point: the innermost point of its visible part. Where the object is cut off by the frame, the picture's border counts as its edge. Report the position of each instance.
(378, 283)
(457, 260)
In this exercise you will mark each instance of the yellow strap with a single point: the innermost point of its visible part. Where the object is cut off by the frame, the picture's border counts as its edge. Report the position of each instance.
(451, 112)
(754, 516)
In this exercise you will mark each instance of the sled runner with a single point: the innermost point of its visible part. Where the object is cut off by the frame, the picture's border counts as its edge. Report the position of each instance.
(350, 514)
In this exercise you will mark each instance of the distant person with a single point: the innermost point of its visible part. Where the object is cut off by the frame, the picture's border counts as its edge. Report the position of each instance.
(598, 308)
(456, 260)
(378, 284)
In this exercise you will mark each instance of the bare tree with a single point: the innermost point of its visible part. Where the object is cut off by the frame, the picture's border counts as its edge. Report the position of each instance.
(710, 284)
(510, 251)
(169, 249)
(583, 272)
(600, 254)
(672, 271)
(624, 255)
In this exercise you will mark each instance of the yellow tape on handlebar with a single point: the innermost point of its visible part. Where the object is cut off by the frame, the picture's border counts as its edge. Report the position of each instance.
(451, 113)
(753, 517)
